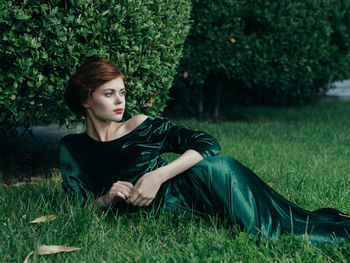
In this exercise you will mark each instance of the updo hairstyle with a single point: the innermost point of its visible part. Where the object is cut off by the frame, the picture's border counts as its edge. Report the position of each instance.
(86, 80)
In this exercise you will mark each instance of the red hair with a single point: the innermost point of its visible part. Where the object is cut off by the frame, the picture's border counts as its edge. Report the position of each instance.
(86, 80)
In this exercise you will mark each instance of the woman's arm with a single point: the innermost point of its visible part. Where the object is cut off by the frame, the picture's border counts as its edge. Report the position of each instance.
(146, 188)
(193, 147)
(148, 185)
(179, 165)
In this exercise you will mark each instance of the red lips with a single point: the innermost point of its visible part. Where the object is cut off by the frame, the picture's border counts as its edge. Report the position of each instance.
(119, 111)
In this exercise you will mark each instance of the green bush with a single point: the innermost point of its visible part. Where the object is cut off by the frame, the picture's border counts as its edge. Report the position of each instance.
(264, 51)
(42, 43)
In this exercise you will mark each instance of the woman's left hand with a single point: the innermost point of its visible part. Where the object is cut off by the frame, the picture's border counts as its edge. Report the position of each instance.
(145, 189)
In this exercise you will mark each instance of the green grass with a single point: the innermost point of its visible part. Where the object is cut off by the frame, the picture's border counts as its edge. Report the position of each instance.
(304, 151)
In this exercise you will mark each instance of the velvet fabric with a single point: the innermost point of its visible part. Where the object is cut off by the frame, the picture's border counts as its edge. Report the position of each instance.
(215, 186)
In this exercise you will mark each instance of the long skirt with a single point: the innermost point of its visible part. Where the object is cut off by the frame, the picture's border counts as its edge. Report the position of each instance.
(222, 186)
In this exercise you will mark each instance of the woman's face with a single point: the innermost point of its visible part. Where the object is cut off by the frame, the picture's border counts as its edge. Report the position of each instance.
(109, 101)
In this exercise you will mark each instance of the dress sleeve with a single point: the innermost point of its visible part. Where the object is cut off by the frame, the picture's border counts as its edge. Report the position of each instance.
(70, 171)
(178, 139)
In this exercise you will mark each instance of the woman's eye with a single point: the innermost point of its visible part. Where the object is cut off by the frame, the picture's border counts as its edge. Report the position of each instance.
(108, 94)
(122, 93)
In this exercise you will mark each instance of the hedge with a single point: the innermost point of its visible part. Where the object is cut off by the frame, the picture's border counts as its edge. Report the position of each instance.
(263, 51)
(42, 43)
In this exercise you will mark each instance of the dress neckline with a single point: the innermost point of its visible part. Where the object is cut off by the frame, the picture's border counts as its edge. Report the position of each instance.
(119, 138)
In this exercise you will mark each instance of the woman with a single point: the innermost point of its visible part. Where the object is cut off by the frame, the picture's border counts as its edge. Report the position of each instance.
(120, 162)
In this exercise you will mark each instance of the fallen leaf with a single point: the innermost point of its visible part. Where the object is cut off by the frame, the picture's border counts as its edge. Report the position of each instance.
(141, 228)
(346, 216)
(43, 219)
(47, 250)
(27, 257)
(270, 184)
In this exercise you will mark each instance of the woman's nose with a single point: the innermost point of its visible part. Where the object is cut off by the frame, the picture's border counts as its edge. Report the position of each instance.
(118, 99)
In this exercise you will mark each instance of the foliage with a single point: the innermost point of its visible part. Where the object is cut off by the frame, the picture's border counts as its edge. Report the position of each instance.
(264, 51)
(42, 43)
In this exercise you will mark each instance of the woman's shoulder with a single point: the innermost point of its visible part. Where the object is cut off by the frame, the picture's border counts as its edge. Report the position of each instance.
(135, 121)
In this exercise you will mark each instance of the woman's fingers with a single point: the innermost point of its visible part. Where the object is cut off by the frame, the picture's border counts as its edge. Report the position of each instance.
(137, 201)
(121, 188)
(140, 201)
(122, 195)
(127, 184)
(145, 202)
(121, 192)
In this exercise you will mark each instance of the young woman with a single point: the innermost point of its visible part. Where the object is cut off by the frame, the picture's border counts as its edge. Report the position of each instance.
(119, 161)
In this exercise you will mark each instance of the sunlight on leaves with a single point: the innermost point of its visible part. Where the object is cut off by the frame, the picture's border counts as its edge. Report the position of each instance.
(43, 219)
(46, 250)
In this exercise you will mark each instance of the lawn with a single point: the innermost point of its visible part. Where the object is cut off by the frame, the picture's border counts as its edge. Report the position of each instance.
(303, 151)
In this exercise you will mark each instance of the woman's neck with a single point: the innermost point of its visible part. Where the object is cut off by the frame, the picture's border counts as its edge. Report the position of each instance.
(101, 130)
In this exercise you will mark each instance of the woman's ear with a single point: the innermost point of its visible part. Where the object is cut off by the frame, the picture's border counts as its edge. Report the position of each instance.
(86, 105)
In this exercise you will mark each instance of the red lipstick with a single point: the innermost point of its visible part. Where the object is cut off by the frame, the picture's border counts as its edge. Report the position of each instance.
(119, 111)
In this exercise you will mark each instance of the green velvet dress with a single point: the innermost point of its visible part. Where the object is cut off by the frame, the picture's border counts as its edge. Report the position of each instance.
(216, 185)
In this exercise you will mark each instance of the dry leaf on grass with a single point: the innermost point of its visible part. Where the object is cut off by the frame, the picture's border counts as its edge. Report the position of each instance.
(43, 219)
(46, 250)
(141, 228)
(270, 184)
(27, 257)
(346, 216)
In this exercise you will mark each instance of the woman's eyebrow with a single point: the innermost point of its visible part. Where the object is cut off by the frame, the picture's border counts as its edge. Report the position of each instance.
(113, 89)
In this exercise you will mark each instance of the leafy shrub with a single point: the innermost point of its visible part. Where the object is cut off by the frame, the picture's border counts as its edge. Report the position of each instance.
(263, 51)
(42, 42)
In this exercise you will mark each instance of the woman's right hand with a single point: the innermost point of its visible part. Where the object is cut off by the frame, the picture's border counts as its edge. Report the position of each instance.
(119, 190)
